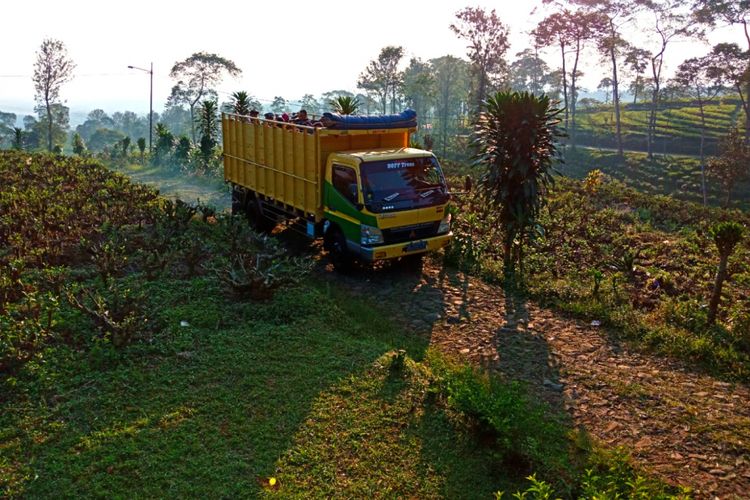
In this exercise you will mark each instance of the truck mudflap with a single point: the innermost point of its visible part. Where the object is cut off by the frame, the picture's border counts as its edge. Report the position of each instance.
(396, 250)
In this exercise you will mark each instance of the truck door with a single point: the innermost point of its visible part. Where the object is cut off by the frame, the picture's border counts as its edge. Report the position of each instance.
(342, 199)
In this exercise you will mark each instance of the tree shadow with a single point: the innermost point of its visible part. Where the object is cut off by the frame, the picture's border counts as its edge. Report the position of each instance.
(524, 353)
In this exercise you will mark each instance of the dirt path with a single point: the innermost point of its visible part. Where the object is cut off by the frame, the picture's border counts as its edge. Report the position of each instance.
(688, 428)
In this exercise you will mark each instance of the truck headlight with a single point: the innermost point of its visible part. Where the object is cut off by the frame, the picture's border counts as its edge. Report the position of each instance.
(369, 235)
(445, 224)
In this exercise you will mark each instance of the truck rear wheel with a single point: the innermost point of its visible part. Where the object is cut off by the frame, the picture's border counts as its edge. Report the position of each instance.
(334, 242)
(256, 217)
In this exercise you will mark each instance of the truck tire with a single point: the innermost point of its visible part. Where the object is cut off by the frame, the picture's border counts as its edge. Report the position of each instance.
(414, 262)
(334, 242)
(238, 201)
(255, 216)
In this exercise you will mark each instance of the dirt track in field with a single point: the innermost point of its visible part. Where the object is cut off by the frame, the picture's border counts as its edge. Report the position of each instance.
(688, 428)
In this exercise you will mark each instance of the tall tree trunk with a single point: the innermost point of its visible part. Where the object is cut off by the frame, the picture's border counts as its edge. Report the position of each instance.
(721, 275)
(192, 121)
(703, 142)
(651, 135)
(564, 84)
(573, 96)
(49, 123)
(616, 98)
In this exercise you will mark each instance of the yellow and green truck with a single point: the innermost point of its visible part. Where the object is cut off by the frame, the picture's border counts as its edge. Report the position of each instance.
(354, 182)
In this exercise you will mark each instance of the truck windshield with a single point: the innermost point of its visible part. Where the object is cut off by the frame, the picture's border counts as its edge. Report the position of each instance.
(403, 183)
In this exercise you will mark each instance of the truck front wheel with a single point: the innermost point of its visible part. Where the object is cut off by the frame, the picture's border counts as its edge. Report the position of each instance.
(334, 242)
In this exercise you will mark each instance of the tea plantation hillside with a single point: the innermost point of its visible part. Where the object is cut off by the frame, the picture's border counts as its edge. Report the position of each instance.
(678, 125)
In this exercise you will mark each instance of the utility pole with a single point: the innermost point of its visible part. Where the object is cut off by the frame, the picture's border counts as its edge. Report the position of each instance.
(150, 105)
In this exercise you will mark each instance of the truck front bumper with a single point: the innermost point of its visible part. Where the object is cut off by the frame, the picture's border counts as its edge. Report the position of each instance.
(396, 250)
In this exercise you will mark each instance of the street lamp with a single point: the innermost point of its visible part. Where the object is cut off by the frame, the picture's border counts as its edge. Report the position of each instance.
(150, 104)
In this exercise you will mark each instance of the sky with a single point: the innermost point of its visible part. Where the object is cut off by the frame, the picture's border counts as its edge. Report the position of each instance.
(288, 49)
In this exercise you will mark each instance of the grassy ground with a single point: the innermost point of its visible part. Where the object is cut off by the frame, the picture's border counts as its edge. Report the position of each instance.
(295, 388)
(209, 190)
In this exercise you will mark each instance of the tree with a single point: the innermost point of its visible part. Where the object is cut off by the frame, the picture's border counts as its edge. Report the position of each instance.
(637, 61)
(529, 72)
(728, 64)
(182, 150)
(196, 76)
(310, 104)
(58, 126)
(671, 21)
(241, 103)
(7, 124)
(208, 126)
(141, 147)
(731, 12)
(345, 105)
(125, 143)
(613, 15)
(451, 94)
(605, 85)
(104, 138)
(279, 105)
(18, 139)
(733, 165)
(52, 69)
(488, 42)
(164, 143)
(554, 29)
(516, 142)
(382, 77)
(79, 147)
(418, 87)
(726, 236)
(695, 78)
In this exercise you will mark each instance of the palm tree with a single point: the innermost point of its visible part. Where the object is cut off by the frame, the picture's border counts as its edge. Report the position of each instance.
(164, 142)
(208, 125)
(141, 147)
(516, 139)
(17, 138)
(726, 235)
(241, 103)
(345, 105)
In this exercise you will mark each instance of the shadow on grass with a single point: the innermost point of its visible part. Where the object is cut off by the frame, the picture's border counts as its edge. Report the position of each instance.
(208, 410)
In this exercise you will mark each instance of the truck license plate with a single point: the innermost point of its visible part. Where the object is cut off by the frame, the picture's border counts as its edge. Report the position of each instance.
(416, 245)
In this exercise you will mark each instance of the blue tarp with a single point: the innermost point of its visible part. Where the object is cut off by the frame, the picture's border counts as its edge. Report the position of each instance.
(406, 119)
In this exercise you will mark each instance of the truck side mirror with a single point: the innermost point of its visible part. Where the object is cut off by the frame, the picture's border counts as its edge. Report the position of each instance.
(353, 193)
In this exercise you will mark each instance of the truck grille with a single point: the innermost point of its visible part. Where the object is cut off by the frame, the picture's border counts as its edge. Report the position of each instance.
(408, 233)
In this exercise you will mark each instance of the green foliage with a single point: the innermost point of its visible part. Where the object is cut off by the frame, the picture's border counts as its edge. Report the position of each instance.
(208, 126)
(241, 104)
(345, 105)
(52, 69)
(79, 147)
(141, 142)
(118, 310)
(733, 165)
(726, 236)
(524, 432)
(255, 265)
(655, 255)
(516, 143)
(164, 144)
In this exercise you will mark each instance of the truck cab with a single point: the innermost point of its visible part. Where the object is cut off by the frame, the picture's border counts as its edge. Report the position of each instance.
(385, 203)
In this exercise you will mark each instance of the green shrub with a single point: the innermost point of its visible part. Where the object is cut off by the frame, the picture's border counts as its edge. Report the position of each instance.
(524, 433)
(119, 310)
